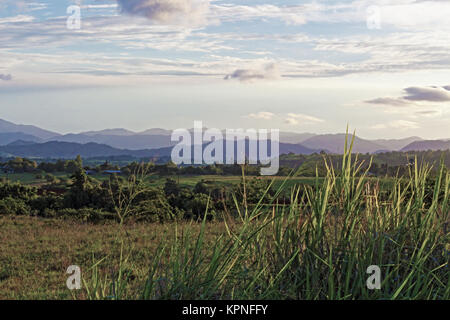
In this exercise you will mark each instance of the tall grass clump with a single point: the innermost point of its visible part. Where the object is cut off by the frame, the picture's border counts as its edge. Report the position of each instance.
(316, 245)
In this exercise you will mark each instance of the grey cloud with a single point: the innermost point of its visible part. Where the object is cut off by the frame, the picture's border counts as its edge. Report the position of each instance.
(389, 101)
(167, 11)
(415, 94)
(432, 94)
(5, 77)
(428, 112)
(269, 72)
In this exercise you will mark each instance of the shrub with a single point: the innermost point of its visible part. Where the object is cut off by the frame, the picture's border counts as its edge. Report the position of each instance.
(17, 191)
(46, 202)
(91, 215)
(156, 210)
(199, 205)
(50, 178)
(14, 206)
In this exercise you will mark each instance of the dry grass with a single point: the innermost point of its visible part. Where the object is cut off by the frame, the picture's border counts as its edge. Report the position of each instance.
(35, 253)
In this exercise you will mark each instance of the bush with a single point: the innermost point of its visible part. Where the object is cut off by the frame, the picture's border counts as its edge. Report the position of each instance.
(201, 187)
(17, 191)
(199, 205)
(46, 202)
(84, 214)
(50, 178)
(14, 206)
(156, 210)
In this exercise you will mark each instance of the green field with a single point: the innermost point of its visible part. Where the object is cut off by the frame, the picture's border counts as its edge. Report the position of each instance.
(319, 245)
(29, 178)
(155, 180)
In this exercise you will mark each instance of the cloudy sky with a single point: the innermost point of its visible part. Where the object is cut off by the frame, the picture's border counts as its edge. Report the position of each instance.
(306, 66)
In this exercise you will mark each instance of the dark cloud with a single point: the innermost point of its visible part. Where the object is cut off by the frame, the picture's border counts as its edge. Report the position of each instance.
(5, 77)
(167, 11)
(431, 94)
(269, 72)
(427, 112)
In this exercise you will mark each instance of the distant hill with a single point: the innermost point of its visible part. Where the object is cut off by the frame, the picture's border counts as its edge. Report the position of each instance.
(9, 137)
(132, 142)
(66, 150)
(111, 132)
(156, 131)
(335, 143)
(9, 127)
(286, 148)
(427, 145)
(292, 137)
(159, 139)
(69, 150)
(396, 144)
(21, 143)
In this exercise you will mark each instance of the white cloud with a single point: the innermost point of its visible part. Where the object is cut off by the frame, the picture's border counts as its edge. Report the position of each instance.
(17, 19)
(224, 52)
(297, 118)
(262, 115)
(413, 14)
(397, 124)
(289, 118)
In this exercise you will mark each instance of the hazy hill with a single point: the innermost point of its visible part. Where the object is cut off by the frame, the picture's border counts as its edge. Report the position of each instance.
(157, 138)
(9, 137)
(69, 150)
(113, 132)
(156, 131)
(292, 137)
(126, 140)
(335, 143)
(21, 143)
(428, 145)
(132, 142)
(396, 144)
(66, 150)
(9, 127)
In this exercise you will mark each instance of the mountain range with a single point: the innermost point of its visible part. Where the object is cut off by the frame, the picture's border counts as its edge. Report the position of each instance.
(69, 150)
(31, 141)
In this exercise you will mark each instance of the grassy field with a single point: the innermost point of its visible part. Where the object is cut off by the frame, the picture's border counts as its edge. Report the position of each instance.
(318, 245)
(185, 180)
(30, 178)
(158, 181)
(35, 253)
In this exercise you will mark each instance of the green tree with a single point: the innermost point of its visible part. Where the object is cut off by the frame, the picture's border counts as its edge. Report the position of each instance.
(171, 188)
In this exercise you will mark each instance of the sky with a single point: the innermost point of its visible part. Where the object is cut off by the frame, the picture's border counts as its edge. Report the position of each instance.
(381, 66)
